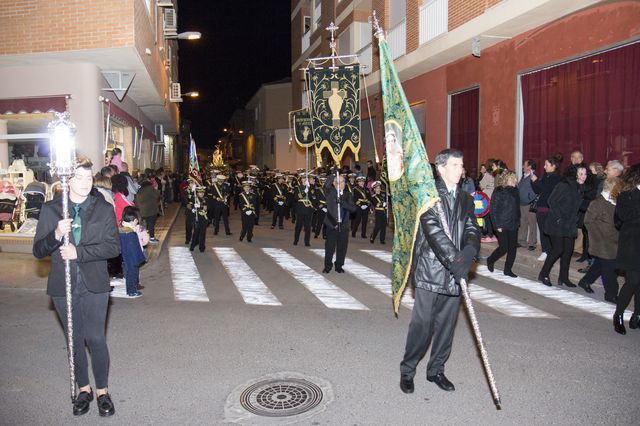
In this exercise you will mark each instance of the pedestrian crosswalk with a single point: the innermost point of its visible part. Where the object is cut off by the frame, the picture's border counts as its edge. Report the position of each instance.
(188, 285)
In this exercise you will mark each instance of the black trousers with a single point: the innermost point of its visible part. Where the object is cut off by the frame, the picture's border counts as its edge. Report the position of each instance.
(150, 223)
(545, 240)
(304, 216)
(631, 288)
(248, 221)
(337, 242)
(220, 210)
(605, 268)
(380, 226)
(361, 217)
(507, 244)
(278, 214)
(561, 248)
(318, 222)
(433, 321)
(89, 312)
(199, 234)
(189, 217)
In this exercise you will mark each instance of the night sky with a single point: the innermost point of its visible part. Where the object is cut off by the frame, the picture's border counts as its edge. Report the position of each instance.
(244, 44)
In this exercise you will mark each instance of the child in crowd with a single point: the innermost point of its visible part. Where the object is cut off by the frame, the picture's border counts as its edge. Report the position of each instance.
(132, 240)
(505, 215)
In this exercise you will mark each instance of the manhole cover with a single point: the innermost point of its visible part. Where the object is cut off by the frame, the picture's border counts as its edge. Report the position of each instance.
(281, 398)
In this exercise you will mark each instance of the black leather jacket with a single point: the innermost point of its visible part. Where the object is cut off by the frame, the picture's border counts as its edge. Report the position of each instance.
(434, 252)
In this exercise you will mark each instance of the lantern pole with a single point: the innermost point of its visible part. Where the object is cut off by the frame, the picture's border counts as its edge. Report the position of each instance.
(63, 163)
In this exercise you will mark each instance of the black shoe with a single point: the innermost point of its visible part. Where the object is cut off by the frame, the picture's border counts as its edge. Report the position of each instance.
(272, 227)
(585, 285)
(611, 299)
(510, 274)
(519, 245)
(187, 242)
(228, 233)
(490, 266)
(442, 382)
(582, 259)
(105, 406)
(191, 248)
(371, 240)
(307, 245)
(406, 384)
(295, 243)
(315, 236)
(280, 227)
(249, 239)
(565, 282)
(531, 248)
(363, 236)
(545, 280)
(326, 270)
(618, 324)
(82, 403)
(215, 232)
(585, 269)
(634, 321)
(339, 270)
(353, 235)
(241, 238)
(382, 242)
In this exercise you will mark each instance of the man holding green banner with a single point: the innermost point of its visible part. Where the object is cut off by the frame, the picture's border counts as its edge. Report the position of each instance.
(436, 237)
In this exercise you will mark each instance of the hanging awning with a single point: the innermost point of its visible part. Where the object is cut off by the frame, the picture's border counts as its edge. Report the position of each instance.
(125, 118)
(33, 105)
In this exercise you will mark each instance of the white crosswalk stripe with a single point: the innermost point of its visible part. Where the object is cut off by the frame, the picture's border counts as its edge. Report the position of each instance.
(490, 298)
(187, 283)
(584, 303)
(373, 278)
(252, 289)
(327, 292)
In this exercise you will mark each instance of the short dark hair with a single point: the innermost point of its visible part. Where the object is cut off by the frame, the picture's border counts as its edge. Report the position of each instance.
(119, 184)
(83, 162)
(571, 172)
(532, 164)
(443, 156)
(130, 213)
(554, 161)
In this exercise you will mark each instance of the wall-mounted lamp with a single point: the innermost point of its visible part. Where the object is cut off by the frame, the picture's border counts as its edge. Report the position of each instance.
(187, 35)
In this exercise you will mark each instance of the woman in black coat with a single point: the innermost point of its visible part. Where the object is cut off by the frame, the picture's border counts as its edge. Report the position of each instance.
(544, 187)
(505, 216)
(561, 224)
(628, 221)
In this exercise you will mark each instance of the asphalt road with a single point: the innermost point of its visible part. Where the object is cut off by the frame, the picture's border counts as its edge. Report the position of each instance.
(177, 362)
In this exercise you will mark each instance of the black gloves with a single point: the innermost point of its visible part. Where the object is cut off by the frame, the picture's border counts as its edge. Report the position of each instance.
(462, 263)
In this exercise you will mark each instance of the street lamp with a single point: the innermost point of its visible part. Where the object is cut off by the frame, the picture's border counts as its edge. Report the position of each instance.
(187, 35)
(62, 138)
(190, 94)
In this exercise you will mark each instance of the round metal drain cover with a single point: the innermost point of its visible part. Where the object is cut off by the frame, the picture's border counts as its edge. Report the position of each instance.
(281, 398)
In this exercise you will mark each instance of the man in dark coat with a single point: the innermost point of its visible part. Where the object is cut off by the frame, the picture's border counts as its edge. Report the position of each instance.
(93, 238)
(439, 264)
(339, 205)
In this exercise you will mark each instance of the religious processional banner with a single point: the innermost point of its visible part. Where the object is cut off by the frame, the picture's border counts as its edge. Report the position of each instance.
(335, 109)
(300, 127)
(194, 165)
(413, 189)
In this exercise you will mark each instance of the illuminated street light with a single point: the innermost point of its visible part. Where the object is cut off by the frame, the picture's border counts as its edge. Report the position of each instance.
(191, 94)
(187, 35)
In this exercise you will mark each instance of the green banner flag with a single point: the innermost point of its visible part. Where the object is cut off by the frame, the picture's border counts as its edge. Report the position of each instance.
(335, 109)
(413, 189)
(300, 127)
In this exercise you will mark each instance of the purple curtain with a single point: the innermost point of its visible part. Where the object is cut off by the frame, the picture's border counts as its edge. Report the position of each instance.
(464, 127)
(592, 104)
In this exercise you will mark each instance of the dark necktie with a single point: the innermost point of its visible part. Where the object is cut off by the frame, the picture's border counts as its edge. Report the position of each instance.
(76, 224)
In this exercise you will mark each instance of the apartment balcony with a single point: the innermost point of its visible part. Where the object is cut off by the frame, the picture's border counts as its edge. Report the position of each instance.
(433, 19)
(397, 39)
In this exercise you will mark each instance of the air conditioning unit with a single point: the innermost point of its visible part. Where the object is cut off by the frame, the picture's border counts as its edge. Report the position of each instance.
(174, 92)
(170, 22)
(164, 3)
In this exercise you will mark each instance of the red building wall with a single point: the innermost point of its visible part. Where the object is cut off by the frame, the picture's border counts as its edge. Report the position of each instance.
(496, 73)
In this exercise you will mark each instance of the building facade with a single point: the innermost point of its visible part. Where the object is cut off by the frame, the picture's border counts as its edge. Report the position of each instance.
(269, 144)
(111, 65)
(503, 79)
